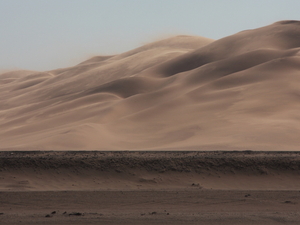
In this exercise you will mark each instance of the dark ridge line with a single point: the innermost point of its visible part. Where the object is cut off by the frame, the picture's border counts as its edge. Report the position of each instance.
(231, 162)
(149, 151)
(141, 153)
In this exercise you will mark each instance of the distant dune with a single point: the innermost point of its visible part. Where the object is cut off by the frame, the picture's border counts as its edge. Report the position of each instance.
(183, 93)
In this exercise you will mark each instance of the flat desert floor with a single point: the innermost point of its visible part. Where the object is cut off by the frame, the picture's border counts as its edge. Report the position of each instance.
(149, 187)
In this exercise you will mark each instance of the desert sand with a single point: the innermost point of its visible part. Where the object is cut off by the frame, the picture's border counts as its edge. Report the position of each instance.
(240, 92)
(208, 188)
(185, 130)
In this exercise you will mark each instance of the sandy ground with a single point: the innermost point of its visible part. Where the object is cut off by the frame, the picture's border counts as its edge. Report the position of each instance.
(151, 207)
(149, 187)
(182, 93)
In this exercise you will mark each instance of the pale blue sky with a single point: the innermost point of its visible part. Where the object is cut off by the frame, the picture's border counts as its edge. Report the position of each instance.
(49, 34)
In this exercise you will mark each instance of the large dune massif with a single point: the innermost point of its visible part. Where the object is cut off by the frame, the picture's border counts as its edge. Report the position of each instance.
(182, 93)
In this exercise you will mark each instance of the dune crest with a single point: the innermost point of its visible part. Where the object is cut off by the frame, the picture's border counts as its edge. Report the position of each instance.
(182, 93)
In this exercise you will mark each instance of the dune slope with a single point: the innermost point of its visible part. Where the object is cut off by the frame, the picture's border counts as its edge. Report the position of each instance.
(182, 93)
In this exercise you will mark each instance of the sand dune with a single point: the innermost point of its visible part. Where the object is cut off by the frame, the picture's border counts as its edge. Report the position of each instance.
(182, 93)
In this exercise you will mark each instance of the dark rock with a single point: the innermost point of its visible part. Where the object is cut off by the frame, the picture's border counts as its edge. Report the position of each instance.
(76, 214)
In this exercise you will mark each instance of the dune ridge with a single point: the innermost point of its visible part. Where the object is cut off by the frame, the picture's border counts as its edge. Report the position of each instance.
(182, 93)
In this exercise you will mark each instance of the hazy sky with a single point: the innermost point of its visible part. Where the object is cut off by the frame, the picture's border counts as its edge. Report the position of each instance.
(49, 34)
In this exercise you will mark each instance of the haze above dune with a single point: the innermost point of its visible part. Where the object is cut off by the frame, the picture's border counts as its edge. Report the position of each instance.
(182, 93)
